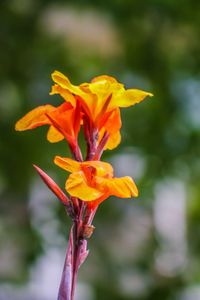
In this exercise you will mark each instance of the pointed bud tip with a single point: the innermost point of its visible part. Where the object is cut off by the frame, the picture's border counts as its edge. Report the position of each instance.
(52, 186)
(38, 169)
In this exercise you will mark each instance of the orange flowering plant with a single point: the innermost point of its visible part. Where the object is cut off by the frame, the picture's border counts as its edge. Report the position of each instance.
(95, 107)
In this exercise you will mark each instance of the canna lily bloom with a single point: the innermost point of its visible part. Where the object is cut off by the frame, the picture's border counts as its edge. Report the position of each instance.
(93, 181)
(64, 121)
(103, 96)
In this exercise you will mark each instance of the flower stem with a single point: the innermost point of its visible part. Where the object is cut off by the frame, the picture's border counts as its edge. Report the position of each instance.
(65, 285)
(75, 256)
(76, 259)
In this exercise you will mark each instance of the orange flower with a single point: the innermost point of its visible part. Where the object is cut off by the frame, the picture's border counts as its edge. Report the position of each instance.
(100, 98)
(93, 181)
(64, 121)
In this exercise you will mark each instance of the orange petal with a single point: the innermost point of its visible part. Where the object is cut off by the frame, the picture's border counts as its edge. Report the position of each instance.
(66, 117)
(111, 121)
(77, 186)
(67, 164)
(95, 203)
(53, 135)
(34, 118)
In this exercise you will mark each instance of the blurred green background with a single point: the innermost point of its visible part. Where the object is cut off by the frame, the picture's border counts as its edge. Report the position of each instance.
(148, 248)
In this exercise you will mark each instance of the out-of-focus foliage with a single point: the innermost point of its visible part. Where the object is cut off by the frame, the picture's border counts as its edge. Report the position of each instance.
(142, 249)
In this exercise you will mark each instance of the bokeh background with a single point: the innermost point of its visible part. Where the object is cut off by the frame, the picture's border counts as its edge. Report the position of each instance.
(148, 248)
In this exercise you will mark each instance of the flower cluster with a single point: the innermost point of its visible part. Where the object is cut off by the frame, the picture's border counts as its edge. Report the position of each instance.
(94, 107)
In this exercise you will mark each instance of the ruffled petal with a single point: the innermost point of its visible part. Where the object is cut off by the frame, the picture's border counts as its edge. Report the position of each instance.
(62, 80)
(104, 78)
(67, 164)
(123, 187)
(35, 118)
(87, 99)
(65, 83)
(129, 97)
(77, 186)
(67, 96)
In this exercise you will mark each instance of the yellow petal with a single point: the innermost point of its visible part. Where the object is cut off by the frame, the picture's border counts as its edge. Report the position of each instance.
(104, 89)
(123, 187)
(87, 99)
(129, 97)
(131, 185)
(57, 89)
(34, 118)
(105, 78)
(61, 79)
(64, 82)
(53, 135)
(67, 164)
(76, 185)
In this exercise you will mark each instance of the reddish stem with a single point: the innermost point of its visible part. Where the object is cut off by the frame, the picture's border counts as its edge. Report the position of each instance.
(76, 254)
(81, 228)
(65, 285)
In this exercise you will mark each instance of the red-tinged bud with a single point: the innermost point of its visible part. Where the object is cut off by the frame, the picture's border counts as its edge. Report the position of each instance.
(53, 186)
